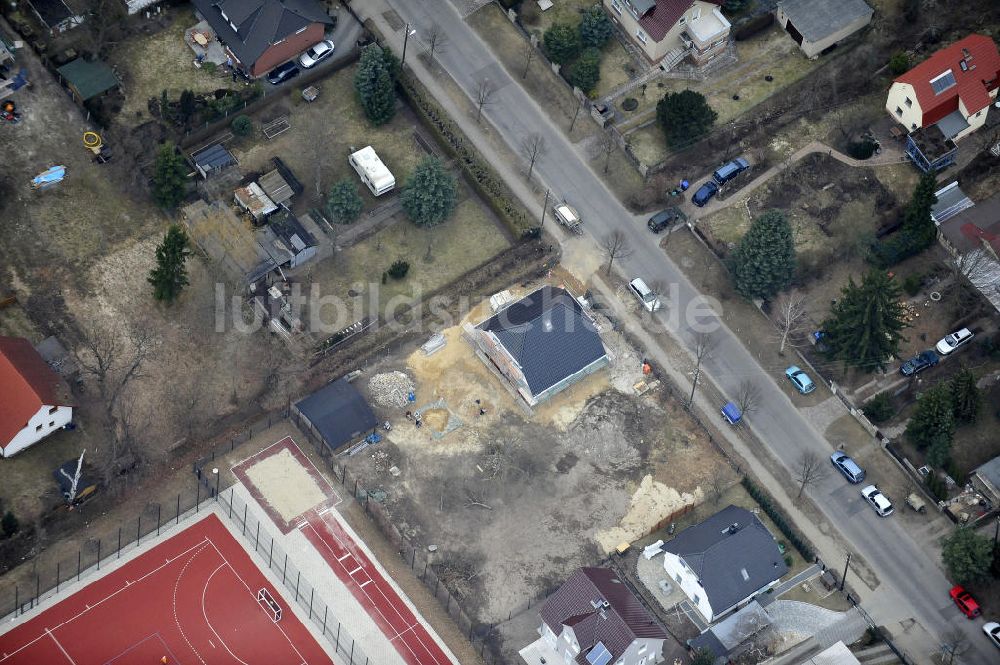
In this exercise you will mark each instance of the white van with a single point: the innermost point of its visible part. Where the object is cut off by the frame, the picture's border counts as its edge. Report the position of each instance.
(645, 295)
(372, 171)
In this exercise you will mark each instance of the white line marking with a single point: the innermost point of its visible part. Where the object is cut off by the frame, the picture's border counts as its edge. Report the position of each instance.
(213, 644)
(49, 632)
(204, 613)
(362, 585)
(354, 571)
(344, 557)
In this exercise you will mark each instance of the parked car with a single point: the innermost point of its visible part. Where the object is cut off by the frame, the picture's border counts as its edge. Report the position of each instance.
(730, 170)
(800, 380)
(663, 219)
(965, 602)
(953, 341)
(919, 363)
(645, 294)
(705, 193)
(847, 466)
(282, 73)
(992, 630)
(877, 500)
(315, 53)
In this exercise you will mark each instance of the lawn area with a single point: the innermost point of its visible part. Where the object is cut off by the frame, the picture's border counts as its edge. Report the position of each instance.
(616, 63)
(148, 65)
(562, 11)
(470, 237)
(317, 142)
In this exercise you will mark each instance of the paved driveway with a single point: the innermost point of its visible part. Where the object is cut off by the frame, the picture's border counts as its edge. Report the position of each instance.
(912, 583)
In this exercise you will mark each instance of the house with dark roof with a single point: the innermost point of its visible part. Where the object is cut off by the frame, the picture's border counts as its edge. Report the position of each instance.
(55, 15)
(723, 562)
(259, 35)
(35, 402)
(817, 25)
(87, 79)
(972, 237)
(337, 413)
(541, 344)
(595, 619)
(952, 89)
(668, 32)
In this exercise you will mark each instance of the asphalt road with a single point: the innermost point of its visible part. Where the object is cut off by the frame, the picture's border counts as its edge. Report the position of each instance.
(910, 577)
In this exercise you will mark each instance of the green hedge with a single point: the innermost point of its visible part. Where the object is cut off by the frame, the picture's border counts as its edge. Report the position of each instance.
(485, 180)
(766, 504)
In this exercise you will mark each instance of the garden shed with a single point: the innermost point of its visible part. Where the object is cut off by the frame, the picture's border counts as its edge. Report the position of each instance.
(87, 79)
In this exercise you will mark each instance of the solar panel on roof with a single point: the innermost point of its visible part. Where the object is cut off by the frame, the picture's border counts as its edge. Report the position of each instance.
(599, 655)
(943, 82)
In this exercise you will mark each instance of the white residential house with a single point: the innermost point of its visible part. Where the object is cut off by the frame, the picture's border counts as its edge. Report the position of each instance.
(722, 563)
(670, 31)
(34, 403)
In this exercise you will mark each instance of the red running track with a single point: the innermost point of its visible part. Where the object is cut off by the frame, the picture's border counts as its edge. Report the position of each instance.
(413, 642)
(191, 599)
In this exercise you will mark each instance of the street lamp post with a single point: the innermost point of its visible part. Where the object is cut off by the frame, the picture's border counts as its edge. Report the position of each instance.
(406, 40)
(215, 470)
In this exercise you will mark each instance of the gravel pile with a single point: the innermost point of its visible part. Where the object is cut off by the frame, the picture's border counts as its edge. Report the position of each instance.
(390, 389)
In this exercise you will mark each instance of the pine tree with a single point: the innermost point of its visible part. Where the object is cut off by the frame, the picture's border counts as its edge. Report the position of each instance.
(764, 261)
(967, 555)
(586, 71)
(595, 27)
(429, 196)
(933, 423)
(562, 43)
(965, 396)
(9, 524)
(375, 84)
(169, 177)
(917, 231)
(343, 202)
(170, 276)
(864, 328)
(684, 116)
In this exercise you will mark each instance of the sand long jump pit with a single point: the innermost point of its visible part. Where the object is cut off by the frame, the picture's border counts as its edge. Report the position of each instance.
(286, 484)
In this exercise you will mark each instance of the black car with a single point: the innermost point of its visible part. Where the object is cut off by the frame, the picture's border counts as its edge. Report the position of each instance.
(705, 193)
(282, 73)
(919, 363)
(663, 219)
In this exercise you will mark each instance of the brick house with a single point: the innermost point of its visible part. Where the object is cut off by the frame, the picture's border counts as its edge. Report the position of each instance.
(259, 35)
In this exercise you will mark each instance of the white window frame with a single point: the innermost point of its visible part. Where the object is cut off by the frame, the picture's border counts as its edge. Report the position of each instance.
(616, 6)
(641, 36)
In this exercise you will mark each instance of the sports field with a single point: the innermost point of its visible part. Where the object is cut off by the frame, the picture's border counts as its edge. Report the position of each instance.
(190, 599)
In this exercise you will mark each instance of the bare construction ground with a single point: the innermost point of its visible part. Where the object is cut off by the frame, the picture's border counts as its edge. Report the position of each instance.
(515, 501)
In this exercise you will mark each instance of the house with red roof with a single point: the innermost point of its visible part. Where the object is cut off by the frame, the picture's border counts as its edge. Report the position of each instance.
(671, 31)
(34, 402)
(952, 89)
(595, 619)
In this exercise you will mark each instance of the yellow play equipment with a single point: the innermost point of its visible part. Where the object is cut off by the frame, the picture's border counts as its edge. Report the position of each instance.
(93, 142)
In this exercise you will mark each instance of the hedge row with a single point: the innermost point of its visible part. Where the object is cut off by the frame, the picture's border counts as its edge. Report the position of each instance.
(485, 180)
(763, 499)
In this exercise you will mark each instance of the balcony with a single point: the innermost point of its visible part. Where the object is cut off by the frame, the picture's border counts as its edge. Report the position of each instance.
(706, 30)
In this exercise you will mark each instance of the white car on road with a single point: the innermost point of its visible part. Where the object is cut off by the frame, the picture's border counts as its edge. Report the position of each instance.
(953, 341)
(877, 500)
(315, 53)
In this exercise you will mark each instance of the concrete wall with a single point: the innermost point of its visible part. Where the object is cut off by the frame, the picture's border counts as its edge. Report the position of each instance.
(683, 576)
(48, 420)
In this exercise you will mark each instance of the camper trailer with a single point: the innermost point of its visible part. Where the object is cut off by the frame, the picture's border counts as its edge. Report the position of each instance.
(372, 171)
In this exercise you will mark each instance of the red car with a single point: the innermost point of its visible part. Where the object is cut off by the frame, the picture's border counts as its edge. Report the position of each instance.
(965, 601)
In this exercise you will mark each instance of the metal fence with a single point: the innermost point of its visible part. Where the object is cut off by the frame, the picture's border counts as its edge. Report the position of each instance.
(226, 447)
(298, 587)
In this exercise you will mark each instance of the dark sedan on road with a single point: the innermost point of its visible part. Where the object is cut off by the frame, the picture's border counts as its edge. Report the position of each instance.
(919, 363)
(282, 73)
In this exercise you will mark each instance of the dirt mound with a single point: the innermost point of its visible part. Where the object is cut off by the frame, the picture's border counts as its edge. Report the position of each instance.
(436, 419)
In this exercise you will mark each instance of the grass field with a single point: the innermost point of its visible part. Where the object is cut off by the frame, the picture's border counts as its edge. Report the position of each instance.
(161, 62)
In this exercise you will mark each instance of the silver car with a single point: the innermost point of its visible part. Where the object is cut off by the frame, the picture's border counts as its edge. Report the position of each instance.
(877, 500)
(315, 53)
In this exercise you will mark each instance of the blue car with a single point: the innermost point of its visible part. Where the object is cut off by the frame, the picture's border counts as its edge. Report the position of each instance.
(800, 380)
(919, 363)
(705, 193)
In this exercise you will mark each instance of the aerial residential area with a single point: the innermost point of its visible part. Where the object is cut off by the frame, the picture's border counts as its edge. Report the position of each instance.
(500, 332)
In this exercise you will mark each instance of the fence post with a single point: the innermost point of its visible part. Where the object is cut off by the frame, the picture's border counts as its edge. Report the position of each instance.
(17, 601)
(311, 594)
(119, 554)
(284, 568)
(256, 539)
(245, 519)
(57, 576)
(138, 528)
(336, 641)
(79, 557)
(197, 500)
(98, 553)
(270, 552)
(298, 578)
(157, 519)
(178, 520)
(325, 610)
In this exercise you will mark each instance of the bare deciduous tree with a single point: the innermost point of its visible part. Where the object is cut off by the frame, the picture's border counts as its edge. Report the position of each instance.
(704, 343)
(528, 53)
(437, 40)
(809, 470)
(607, 144)
(615, 246)
(747, 396)
(790, 315)
(954, 643)
(533, 148)
(971, 271)
(484, 97)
